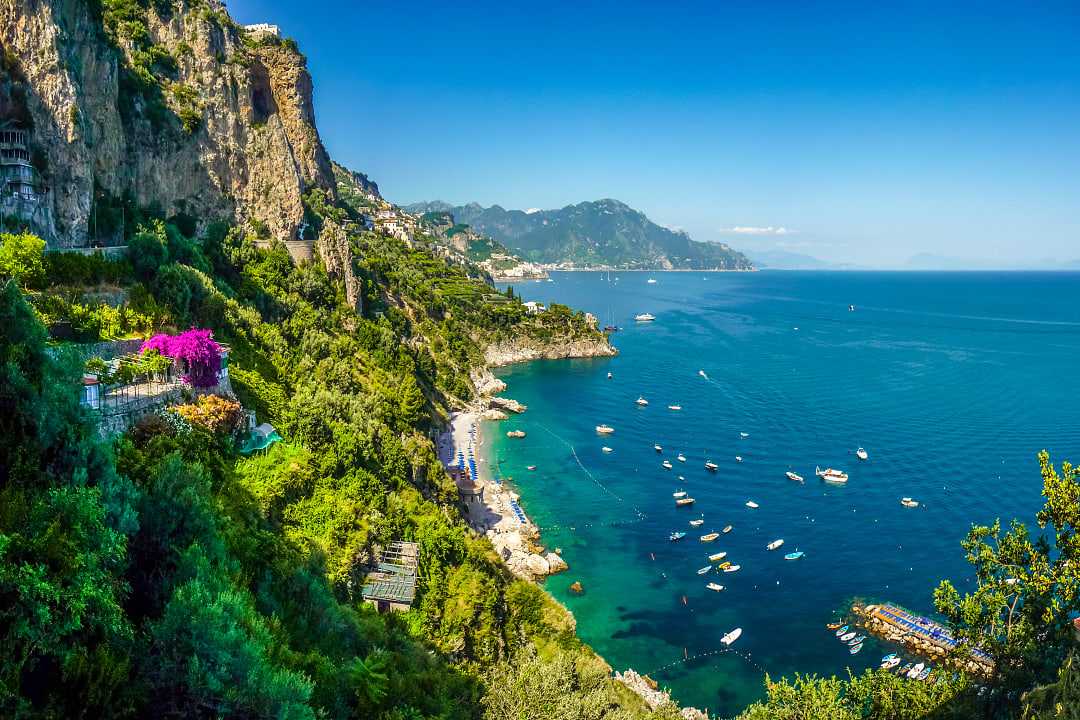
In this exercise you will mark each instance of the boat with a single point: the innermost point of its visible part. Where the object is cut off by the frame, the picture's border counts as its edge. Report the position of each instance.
(717, 557)
(841, 630)
(833, 625)
(732, 568)
(681, 478)
(658, 448)
(731, 636)
(680, 457)
(641, 401)
(738, 458)
(774, 544)
(857, 641)
(709, 537)
(726, 530)
(886, 658)
(862, 454)
(751, 504)
(531, 467)
(666, 464)
(515, 434)
(854, 649)
(606, 449)
(831, 475)
(702, 571)
(702, 374)
(678, 494)
(604, 429)
(924, 674)
(714, 587)
(711, 466)
(724, 565)
(903, 669)
(697, 523)
(851, 308)
(644, 317)
(847, 636)
(890, 663)
(797, 555)
(650, 281)
(674, 407)
(909, 502)
(609, 376)
(684, 501)
(676, 536)
(744, 435)
(793, 476)
(914, 671)
(610, 329)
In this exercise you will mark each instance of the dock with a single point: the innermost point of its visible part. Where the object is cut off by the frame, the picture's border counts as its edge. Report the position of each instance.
(920, 635)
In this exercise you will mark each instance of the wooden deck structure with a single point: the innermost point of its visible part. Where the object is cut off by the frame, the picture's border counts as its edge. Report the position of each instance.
(918, 633)
(391, 582)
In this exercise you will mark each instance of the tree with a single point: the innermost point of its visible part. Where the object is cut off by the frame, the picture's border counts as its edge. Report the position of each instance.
(148, 250)
(22, 257)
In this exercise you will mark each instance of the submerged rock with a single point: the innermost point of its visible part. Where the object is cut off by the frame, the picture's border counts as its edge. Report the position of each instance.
(576, 588)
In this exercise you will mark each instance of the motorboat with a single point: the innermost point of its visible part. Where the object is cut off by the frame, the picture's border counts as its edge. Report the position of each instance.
(606, 449)
(684, 501)
(658, 448)
(794, 476)
(731, 636)
(531, 467)
(702, 374)
(833, 625)
(904, 669)
(702, 571)
(909, 502)
(642, 401)
(732, 568)
(744, 435)
(678, 494)
(609, 376)
(674, 407)
(915, 670)
(650, 281)
(676, 536)
(714, 587)
(644, 317)
(831, 475)
(841, 630)
(709, 537)
(680, 457)
(751, 504)
(854, 649)
(717, 557)
(797, 555)
(738, 458)
(888, 663)
(862, 454)
(774, 544)
(697, 523)
(848, 636)
(611, 328)
(711, 466)
(726, 530)
(604, 429)
(666, 464)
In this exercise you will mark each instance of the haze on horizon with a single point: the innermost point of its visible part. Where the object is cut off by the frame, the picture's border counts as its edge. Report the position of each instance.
(846, 131)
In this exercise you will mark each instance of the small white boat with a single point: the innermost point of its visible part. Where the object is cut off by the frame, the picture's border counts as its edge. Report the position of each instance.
(914, 672)
(697, 523)
(642, 401)
(909, 502)
(774, 544)
(674, 407)
(604, 429)
(609, 376)
(685, 501)
(854, 650)
(644, 317)
(849, 635)
(731, 636)
(711, 466)
(738, 458)
(751, 504)
(702, 374)
(666, 464)
(650, 281)
(606, 449)
(531, 467)
(732, 568)
(793, 476)
(744, 435)
(715, 587)
(515, 434)
(726, 530)
(702, 571)
(890, 663)
(862, 454)
(658, 448)
(680, 457)
(717, 557)
(831, 475)
(678, 494)
(709, 537)
(797, 555)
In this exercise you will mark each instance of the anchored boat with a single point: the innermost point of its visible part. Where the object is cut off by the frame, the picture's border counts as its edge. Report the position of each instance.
(731, 636)
(709, 537)
(862, 454)
(727, 529)
(751, 504)
(831, 475)
(715, 587)
(908, 502)
(667, 464)
(642, 401)
(702, 571)
(798, 554)
(732, 568)
(697, 523)
(774, 544)
(684, 501)
(711, 466)
(793, 476)
(604, 429)
(676, 536)
(717, 557)
(644, 317)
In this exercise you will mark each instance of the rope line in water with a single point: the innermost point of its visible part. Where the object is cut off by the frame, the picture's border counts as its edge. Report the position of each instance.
(710, 653)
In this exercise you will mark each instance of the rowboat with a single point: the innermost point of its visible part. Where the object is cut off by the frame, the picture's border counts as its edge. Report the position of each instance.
(709, 537)
(857, 641)
(797, 555)
(794, 476)
(903, 669)
(715, 587)
(731, 636)
(833, 625)
(697, 523)
(924, 674)
(890, 663)
(717, 557)
(847, 636)
(855, 648)
(676, 536)
(841, 630)
(831, 475)
(702, 571)
(774, 544)
(684, 501)
(604, 429)
(732, 568)
(751, 504)
(711, 466)
(886, 658)
(727, 529)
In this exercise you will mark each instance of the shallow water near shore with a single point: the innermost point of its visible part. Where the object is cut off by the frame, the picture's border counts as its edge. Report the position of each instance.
(951, 381)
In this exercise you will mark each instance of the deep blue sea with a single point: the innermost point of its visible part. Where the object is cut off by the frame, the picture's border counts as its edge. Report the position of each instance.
(951, 381)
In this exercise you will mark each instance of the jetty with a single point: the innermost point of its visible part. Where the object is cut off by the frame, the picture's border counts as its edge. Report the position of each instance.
(920, 635)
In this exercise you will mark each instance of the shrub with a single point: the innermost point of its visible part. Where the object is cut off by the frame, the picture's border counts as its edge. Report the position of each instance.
(148, 250)
(213, 412)
(22, 257)
(196, 349)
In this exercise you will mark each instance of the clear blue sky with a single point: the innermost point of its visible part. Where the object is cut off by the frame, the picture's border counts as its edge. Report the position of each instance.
(868, 133)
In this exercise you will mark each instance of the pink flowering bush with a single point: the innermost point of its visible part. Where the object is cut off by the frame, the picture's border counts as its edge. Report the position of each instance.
(195, 349)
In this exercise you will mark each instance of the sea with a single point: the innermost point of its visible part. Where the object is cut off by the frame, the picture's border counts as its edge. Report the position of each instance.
(952, 382)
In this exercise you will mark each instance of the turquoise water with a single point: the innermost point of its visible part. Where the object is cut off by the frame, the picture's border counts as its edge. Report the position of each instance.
(951, 381)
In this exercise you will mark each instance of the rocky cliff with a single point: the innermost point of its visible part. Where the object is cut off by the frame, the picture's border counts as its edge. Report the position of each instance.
(523, 350)
(163, 105)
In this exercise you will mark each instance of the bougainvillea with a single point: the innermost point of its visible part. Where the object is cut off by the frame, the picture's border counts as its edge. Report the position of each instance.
(195, 349)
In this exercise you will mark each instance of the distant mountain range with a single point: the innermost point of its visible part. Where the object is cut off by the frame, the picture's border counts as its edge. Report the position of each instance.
(600, 233)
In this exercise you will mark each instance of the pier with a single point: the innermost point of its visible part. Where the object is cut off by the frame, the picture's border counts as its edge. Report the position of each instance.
(920, 635)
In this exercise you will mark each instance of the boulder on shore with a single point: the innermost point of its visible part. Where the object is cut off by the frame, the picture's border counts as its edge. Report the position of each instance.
(555, 563)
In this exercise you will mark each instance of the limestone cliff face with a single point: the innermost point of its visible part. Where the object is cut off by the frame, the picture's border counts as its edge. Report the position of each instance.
(250, 152)
(523, 350)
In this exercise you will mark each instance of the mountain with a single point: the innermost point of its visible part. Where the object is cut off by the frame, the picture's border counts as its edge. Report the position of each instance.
(601, 233)
(785, 260)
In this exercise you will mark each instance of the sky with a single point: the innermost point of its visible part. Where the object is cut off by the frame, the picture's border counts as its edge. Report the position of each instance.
(862, 133)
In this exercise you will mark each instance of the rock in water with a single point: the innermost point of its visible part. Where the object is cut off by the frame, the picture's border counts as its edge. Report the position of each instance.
(576, 588)
(555, 564)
